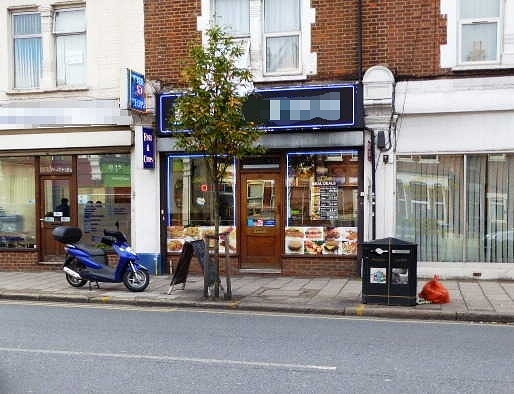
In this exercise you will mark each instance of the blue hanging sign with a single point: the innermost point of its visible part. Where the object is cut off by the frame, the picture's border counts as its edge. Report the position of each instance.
(164, 104)
(136, 88)
(148, 148)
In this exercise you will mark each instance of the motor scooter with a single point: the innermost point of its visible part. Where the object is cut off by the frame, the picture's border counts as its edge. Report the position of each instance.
(84, 263)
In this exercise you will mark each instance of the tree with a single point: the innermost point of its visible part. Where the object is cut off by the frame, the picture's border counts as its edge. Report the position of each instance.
(212, 112)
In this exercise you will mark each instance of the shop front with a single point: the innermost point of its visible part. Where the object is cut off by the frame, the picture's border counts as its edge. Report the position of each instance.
(41, 192)
(295, 210)
(449, 187)
(71, 166)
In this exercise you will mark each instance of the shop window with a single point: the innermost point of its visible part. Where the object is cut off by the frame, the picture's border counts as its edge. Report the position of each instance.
(460, 208)
(17, 203)
(190, 210)
(276, 48)
(70, 46)
(104, 195)
(28, 50)
(322, 202)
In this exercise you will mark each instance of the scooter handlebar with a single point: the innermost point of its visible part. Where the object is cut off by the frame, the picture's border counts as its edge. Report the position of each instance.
(120, 237)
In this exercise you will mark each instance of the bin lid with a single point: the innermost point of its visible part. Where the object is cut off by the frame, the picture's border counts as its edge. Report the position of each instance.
(389, 241)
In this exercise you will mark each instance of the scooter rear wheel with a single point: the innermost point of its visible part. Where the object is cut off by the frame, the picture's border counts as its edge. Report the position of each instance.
(75, 266)
(75, 282)
(136, 281)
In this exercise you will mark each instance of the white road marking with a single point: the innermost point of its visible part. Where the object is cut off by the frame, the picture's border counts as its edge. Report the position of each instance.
(172, 358)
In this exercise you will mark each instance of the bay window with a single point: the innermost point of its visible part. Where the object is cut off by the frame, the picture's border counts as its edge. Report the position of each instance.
(62, 63)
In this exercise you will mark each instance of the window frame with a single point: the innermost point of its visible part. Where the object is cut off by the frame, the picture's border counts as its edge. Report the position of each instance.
(25, 36)
(235, 36)
(291, 33)
(57, 34)
(255, 56)
(480, 21)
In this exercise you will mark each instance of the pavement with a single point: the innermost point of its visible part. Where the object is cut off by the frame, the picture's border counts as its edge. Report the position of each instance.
(471, 300)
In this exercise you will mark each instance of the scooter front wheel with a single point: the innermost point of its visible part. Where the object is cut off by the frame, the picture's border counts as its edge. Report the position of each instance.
(137, 280)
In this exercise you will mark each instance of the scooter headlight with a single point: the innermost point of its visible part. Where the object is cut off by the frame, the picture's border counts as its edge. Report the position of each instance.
(127, 249)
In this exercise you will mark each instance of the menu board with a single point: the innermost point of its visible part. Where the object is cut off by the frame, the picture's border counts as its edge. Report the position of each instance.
(324, 199)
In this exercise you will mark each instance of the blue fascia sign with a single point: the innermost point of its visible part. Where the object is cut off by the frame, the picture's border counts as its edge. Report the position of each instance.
(148, 148)
(136, 88)
(334, 107)
(306, 107)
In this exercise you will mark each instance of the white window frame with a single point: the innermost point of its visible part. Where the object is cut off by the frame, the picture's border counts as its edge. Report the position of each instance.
(292, 33)
(450, 52)
(255, 56)
(57, 34)
(14, 37)
(481, 20)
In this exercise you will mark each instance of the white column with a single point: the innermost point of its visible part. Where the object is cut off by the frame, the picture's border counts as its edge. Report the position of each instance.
(379, 84)
(145, 200)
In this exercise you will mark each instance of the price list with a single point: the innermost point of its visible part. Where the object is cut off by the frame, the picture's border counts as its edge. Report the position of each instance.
(327, 199)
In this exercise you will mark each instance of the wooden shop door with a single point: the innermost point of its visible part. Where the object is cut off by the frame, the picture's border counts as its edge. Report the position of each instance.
(56, 209)
(261, 220)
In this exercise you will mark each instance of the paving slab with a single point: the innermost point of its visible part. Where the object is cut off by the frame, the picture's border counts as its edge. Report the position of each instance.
(471, 300)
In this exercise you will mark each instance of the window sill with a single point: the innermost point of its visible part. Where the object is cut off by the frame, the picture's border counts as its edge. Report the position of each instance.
(470, 67)
(15, 92)
(279, 78)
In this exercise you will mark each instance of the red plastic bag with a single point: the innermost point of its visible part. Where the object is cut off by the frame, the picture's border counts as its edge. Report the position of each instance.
(435, 292)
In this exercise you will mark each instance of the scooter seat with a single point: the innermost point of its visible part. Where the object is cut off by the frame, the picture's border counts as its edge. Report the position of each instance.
(90, 250)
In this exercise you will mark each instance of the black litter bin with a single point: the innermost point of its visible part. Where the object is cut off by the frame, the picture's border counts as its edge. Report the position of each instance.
(389, 272)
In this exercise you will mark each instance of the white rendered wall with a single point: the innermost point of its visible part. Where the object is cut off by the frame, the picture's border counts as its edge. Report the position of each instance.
(115, 40)
(145, 200)
(455, 115)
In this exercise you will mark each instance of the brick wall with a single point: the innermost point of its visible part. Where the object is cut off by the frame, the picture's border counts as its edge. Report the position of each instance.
(23, 260)
(291, 266)
(335, 39)
(403, 35)
(169, 26)
(320, 266)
